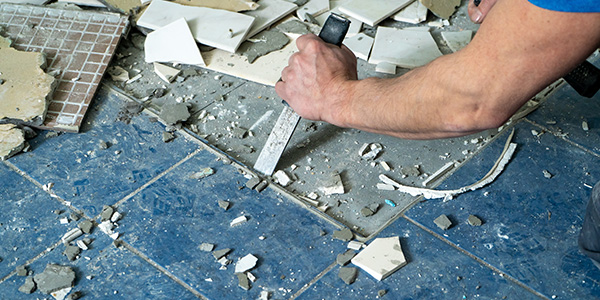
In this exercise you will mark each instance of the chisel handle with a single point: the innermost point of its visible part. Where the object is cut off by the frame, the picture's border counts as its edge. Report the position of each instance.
(335, 29)
(585, 79)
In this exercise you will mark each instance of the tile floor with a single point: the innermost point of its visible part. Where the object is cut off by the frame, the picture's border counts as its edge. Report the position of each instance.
(525, 249)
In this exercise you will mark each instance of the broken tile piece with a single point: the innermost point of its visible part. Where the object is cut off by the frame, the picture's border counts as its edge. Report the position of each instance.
(243, 281)
(246, 263)
(206, 247)
(374, 11)
(21, 270)
(218, 254)
(355, 245)
(366, 212)
(71, 235)
(406, 48)
(173, 43)
(344, 235)
(414, 13)
(237, 221)
(267, 13)
(26, 88)
(54, 278)
(282, 178)
(312, 9)
(293, 26)
(106, 213)
(382, 257)
(360, 44)
(230, 5)
(28, 287)
(443, 222)
(202, 173)
(348, 274)
(441, 8)
(71, 252)
(386, 68)
(86, 226)
(252, 182)
(344, 258)
(223, 204)
(457, 40)
(333, 185)
(206, 24)
(12, 140)
(474, 221)
(165, 72)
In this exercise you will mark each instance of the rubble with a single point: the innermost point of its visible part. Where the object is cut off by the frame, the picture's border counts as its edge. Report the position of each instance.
(381, 258)
(348, 274)
(55, 278)
(344, 234)
(246, 263)
(28, 287)
(443, 222)
(474, 221)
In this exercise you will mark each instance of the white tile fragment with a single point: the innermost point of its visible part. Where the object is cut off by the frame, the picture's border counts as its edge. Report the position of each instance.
(209, 26)
(414, 13)
(406, 48)
(312, 7)
(385, 166)
(239, 220)
(382, 257)
(282, 178)
(166, 73)
(71, 235)
(106, 227)
(246, 263)
(251, 277)
(64, 221)
(585, 126)
(360, 45)
(457, 40)
(374, 11)
(269, 12)
(355, 245)
(334, 185)
(116, 216)
(385, 187)
(173, 43)
(386, 68)
(81, 244)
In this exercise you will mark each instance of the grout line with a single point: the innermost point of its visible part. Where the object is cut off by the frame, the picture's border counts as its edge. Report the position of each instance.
(32, 260)
(477, 259)
(562, 137)
(161, 269)
(48, 191)
(157, 177)
(313, 281)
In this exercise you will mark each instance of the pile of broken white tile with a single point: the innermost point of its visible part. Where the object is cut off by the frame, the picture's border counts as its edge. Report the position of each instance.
(240, 37)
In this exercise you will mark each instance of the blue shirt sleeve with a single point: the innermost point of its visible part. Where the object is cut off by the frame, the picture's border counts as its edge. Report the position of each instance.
(568, 5)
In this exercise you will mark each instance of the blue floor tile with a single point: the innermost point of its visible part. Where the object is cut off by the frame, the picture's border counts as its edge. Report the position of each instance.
(90, 177)
(104, 272)
(568, 109)
(435, 270)
(28, 224)
(169, 219)
(531, 222)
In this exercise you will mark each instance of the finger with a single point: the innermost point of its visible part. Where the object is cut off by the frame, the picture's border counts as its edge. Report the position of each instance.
(280, 89)
(284, 73)
(303, 40)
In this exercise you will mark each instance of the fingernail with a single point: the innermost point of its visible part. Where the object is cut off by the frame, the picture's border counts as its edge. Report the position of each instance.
(477, 16)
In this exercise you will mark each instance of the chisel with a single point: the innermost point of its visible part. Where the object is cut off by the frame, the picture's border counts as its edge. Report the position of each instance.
(333, 32)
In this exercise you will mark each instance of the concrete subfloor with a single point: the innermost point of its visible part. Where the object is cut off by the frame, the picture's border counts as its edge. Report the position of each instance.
(525, 249)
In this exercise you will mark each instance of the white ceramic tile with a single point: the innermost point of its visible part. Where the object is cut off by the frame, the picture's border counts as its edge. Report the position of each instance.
(173, 43)
(360, 44)
(165, 72)
(414, 13)
(312, 7)
(265, 69)
(213, 27)
(406, 48)
(374, 11)
(386, 68)
(93, 3)
(457, 40)
(381, 258)
(269, 12)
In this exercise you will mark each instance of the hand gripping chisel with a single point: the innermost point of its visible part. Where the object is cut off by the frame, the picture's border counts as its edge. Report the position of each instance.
(333, 32)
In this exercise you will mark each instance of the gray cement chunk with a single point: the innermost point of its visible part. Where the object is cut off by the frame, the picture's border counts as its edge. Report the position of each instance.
(443, 222)
(381, 293)
(224, 204)
(261, 186)
(474, 221)
(106, 213)
(252, 182)
(71, 252)
(293, 26)
(220, 253)
(206, 247)
(348, 274)
(28, 287)
(243, 281)
(344, 258)
(263, 43)
(167, 136)
(54, 278)
(173, 113)
(366, 212)
(343, 235)
(86, 226)
(21, 271)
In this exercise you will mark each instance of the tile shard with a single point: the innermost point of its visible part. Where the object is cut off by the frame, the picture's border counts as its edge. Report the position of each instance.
(441, 8)
(381, 258)
(474, 221)
(344, 258)
(348, 274)
(28, 287)
(443, 222)
(414, 13)
(457, 40)
(333, 185)
(246, 263)
(173, 43)
(406, 48)
(374, 11)
(344, 235)
(237, 221)
(55, 278)
(230, 5)
(165, 72)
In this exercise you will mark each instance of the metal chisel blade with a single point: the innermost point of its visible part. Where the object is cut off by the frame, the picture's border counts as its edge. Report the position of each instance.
(277, 141)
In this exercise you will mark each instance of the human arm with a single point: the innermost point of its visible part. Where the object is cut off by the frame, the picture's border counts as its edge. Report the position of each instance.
(518, 50)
